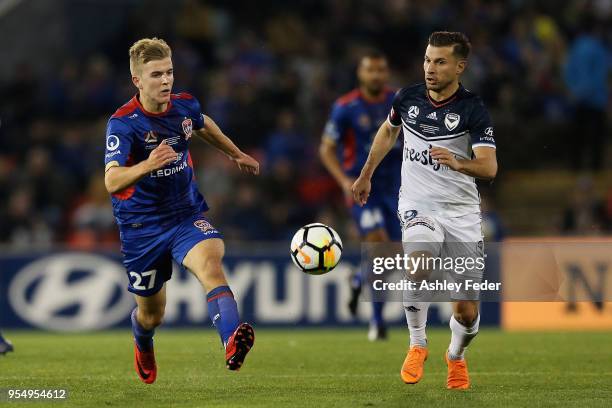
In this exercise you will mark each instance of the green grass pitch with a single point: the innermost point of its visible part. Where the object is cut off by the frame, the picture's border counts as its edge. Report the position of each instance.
(312, 368)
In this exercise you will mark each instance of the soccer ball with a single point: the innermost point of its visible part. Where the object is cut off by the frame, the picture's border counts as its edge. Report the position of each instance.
(316, 249)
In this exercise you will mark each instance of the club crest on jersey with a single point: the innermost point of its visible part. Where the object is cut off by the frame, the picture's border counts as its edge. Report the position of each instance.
(204, 226)
(187, 128)
(364, 121)
(413, 111)
(451, 120)
(150, 137)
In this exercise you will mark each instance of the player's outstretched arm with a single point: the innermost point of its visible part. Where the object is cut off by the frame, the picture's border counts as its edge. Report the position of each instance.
(383, 142)
(483, 165)
(118, 177)
(212, 134)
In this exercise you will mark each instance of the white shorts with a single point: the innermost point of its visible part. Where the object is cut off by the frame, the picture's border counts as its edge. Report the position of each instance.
(445, 237)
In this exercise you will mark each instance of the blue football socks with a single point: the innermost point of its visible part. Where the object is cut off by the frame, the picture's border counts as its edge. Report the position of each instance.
(377, 313)
(223, 311)
(142, 336)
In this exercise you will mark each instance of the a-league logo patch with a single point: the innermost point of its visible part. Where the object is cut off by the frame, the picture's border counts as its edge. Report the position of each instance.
(204, 226)
(150, 137)
(451, 120)
(413, 112)
(187, 128)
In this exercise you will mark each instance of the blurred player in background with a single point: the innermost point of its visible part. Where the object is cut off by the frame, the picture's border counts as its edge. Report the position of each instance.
(5, 345)
(350, 130)
(158, 208)
(448, 142)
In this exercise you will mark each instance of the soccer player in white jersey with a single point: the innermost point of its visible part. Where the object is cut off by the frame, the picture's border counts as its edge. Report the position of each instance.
(448, 142)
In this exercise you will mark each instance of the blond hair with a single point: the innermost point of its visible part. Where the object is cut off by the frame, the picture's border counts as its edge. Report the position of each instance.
(147, 49)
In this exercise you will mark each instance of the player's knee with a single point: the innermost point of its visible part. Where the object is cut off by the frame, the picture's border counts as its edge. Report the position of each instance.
(208, 267)
(466, 315)
(418, 268)
(151, 320)
(213, 253)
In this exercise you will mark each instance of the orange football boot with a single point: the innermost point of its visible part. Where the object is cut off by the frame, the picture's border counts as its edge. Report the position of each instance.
(144, 363)
(458, 378)
(238, 345)
(412, 369)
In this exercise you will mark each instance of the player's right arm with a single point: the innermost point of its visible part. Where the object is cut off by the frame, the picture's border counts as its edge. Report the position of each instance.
(117, 178)
(383, 142)
(329, 158)
(119, 172)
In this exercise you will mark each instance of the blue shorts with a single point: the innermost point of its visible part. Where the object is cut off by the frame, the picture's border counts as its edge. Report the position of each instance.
(148, 252)
(379, 212)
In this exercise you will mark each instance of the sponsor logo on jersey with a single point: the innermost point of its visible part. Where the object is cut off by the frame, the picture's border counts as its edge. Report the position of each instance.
(170, 171)
(432, 115)
(150, 137)
(421, 221)
(423, 157)
(451, 120)
(429, 128)
(413, 112)
(112, 143)
(187, 128)
(173, 140)
(109, 155)
(489, 131)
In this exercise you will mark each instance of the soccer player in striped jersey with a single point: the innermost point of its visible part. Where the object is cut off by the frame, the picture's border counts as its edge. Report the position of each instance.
(352, 125)
(157, 205)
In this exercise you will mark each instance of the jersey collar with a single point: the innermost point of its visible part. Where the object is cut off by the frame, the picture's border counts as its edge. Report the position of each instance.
(379, 99)
(437, 104)
(146, 112)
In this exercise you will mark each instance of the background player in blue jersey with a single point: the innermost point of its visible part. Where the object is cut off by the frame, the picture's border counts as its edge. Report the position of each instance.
(448, 143)
(349, 132)
(158, 208)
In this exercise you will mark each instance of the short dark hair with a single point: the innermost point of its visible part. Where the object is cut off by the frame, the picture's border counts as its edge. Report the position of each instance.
(459, 41)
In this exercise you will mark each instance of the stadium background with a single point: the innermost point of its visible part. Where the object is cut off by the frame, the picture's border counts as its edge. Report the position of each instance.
(268, 72)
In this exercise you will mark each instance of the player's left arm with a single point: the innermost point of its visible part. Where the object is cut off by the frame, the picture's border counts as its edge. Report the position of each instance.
(483, 165)
(212, 134)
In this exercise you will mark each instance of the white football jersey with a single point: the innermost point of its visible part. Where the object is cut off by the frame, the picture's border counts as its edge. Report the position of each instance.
(458, 124)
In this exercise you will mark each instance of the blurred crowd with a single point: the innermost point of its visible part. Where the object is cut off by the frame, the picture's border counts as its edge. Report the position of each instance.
(267, 73)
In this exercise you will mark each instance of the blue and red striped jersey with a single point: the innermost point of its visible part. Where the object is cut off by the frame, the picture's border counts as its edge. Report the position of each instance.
(353, 123)
(167, 194)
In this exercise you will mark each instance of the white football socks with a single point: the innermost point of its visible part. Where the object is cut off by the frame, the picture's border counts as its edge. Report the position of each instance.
(460, 338)
(416, 317)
